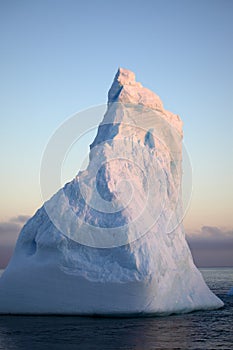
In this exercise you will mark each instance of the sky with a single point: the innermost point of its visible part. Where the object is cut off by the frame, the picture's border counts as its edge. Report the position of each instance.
(59, 57)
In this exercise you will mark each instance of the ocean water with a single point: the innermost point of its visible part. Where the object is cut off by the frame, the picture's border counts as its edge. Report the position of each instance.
(198, 330)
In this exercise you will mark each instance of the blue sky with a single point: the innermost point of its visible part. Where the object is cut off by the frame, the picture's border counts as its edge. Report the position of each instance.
(60, 57)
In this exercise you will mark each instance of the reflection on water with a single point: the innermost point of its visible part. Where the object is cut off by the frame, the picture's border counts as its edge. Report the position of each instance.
(199, 330)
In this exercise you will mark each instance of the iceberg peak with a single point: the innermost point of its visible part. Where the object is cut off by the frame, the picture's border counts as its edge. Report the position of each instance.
(126, 89)
(125, 77)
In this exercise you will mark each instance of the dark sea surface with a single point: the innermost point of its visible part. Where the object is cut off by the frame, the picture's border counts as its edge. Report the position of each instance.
(199, 330)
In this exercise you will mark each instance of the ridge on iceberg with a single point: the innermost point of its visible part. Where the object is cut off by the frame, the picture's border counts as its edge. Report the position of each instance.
(111, 241)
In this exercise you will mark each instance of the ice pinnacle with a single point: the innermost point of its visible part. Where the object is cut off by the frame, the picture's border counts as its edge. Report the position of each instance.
(111, 241)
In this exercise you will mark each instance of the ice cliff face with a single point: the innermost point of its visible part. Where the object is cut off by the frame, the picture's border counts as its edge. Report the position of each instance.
(111, 241)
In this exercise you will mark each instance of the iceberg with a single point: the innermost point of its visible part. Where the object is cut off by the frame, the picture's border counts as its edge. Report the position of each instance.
(111, 241)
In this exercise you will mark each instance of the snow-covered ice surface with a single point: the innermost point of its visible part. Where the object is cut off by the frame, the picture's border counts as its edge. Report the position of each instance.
(111, 242)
